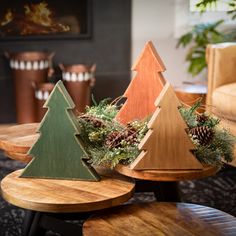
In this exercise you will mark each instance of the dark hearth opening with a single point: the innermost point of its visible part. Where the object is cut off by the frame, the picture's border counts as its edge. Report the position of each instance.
(44, 18)
(108, 47)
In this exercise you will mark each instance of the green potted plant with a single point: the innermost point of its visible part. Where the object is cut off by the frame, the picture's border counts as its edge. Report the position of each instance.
(203, 34)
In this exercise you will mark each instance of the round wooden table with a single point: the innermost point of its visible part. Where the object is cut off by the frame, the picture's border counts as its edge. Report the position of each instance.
(45, 197)
(60, 196)
(167, 175)
(190, 93)
(165, 182)
(18, 138)
(160, 218)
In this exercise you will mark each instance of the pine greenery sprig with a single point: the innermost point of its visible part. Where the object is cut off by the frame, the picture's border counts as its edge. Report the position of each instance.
(220, 149)
(104, 110)
(94, 138)
(109, 143)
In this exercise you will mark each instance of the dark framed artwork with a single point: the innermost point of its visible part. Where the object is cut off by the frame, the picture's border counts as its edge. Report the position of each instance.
(45, 19)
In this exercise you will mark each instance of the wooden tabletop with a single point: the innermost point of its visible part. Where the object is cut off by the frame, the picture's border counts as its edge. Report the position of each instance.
(172, 219)
(22, 157)
(18, 138)
(166, 175)
(49, 195)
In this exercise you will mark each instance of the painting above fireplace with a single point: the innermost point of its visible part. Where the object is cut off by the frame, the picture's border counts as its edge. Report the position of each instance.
(45, 19)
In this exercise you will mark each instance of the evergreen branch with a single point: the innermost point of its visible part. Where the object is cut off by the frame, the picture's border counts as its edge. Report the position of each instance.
(98, 123)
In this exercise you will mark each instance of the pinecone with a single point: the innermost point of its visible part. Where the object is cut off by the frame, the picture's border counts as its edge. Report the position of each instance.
(97, 123)
(130, 135)
(113, 139)
(203, 134)
(118, 139)
(202, 118)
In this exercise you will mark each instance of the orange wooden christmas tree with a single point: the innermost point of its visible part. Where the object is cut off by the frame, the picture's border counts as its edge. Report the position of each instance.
(166, 145)
(144, 87)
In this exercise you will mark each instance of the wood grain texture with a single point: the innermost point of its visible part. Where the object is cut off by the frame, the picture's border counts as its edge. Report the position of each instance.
(159, 218)
(59, 151)
(166, 144)
(5, 125)
(167, 175)
(19, 156)
(49, 195)
(18, 138)
(144, 87)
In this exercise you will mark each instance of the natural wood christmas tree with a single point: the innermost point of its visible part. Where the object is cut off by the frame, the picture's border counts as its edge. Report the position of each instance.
(58, 152)
(144, 87)
(166, 145)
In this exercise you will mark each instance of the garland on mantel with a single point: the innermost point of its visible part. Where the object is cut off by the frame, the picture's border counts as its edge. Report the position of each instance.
(108, 142)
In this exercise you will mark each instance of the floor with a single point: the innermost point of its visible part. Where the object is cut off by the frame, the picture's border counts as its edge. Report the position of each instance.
(218, 191)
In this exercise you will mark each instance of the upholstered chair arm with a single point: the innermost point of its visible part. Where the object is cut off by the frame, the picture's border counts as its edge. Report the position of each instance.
(221, 63)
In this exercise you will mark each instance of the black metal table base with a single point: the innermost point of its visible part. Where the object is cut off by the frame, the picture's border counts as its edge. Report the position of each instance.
(164, 191)
(38, 223)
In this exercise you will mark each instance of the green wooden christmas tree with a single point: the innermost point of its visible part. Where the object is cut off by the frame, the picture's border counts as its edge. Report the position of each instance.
(58, 153)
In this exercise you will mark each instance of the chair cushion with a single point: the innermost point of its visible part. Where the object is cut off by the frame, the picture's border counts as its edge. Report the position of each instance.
(224, 101)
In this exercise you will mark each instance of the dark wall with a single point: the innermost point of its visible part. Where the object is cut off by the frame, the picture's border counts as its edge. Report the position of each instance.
(109, 47)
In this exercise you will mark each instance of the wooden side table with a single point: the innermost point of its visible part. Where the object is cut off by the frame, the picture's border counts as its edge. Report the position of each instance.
(18, 138)
(166, 180)
(189, 94)
(160, 218)
(63, 196)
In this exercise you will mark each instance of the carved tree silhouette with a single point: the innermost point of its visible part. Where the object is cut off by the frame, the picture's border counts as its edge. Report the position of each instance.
(58, 152)
(166, 144)
(144, 87)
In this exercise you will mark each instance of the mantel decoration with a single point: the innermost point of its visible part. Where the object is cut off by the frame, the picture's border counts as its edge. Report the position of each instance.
(151, 131)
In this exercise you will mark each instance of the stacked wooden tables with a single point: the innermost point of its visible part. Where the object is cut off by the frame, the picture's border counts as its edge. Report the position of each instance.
(63, 196)
(45, 197)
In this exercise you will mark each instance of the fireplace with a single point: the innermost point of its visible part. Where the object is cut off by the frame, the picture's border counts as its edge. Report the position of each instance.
(106, 42)
(45, 19)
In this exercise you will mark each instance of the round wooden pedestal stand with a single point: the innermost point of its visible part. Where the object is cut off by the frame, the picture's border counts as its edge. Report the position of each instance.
(164, 182)
(167, 175)
(58, 196)
(63, 196)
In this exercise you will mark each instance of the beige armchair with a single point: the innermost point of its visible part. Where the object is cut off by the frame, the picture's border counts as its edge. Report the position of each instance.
(221, 95)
